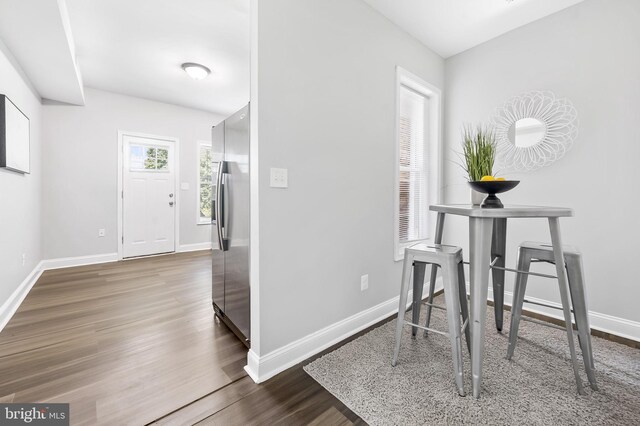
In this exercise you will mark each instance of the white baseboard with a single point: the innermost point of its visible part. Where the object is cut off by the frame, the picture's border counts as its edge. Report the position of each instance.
(253, 365)
(602, 322)
(68, 262)
(261, 368)
(194, 247)
(11, 305)
(615, 325)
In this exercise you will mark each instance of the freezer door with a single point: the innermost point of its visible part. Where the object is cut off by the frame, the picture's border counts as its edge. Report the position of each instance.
(217, 146)
(236, 220)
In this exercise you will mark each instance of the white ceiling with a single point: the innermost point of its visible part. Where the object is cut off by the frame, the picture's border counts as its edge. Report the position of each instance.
(38, 35)
(451, 26)
(136, 47)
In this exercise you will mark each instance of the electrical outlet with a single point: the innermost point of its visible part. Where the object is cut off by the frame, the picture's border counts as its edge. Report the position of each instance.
(24, 259)
(101, 232)
(364, 282)
(279, 178)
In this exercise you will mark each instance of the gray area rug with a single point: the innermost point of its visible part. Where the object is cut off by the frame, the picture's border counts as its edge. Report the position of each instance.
(536, 387)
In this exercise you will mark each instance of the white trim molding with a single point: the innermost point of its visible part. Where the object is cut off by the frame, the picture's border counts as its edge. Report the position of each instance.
(11, 305)
(254, 185)
(184, 248)
(69, 262)
(262, 368)
(609, 324)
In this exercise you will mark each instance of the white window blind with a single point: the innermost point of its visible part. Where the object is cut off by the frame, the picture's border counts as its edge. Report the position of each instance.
(413, 112)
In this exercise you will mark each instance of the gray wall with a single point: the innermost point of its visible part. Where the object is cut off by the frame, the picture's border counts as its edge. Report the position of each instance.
(589, 54)
(80, 174)
(326, 85)
(20, 194)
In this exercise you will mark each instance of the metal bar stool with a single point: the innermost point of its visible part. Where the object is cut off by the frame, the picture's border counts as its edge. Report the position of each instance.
(529, 252)
(449, 258)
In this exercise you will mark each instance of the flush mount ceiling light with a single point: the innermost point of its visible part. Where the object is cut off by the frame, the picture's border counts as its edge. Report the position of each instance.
(196, 71)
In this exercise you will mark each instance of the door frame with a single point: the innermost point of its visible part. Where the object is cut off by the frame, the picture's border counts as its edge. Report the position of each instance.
(120, 193)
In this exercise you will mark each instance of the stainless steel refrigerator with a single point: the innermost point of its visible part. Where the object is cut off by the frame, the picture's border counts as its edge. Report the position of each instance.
(230, 217)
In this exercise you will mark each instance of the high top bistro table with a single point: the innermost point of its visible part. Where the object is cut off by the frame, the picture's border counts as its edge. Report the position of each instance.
(487, 241)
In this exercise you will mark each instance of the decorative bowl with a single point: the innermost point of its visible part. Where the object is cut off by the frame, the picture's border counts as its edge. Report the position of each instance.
(493, 187)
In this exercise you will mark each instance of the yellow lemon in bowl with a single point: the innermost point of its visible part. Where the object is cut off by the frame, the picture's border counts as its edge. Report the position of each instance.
(487, 178)
(500, 179)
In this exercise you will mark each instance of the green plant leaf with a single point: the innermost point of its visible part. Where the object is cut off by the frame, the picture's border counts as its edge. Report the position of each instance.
(478, 151)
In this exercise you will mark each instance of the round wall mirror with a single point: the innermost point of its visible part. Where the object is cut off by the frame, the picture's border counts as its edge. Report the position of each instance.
(533, 130)
(527, 132)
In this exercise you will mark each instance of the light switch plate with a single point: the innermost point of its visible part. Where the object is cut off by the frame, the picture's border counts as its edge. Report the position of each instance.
(279, 178)
(364, 282)
(184, 186)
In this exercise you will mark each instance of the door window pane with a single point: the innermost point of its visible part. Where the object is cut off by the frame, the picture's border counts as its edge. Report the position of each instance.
(162, 159)
(148, 158)
(136, 157)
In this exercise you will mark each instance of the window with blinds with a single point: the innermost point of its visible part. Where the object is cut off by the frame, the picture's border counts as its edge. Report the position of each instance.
(417, 169)
(413, 176)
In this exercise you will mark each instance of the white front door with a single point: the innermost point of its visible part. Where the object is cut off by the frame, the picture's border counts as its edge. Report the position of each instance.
(148, 197)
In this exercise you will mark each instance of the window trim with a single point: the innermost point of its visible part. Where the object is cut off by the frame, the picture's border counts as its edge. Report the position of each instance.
(434, 149)
(200, 220)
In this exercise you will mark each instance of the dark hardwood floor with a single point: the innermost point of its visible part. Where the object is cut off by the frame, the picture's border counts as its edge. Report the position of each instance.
(135, 342)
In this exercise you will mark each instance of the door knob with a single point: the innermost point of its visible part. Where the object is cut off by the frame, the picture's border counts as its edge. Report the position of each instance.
(170, 195)
(171, 203)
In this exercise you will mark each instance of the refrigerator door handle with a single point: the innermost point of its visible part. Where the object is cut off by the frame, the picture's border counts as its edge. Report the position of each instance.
(225, 208)
(220, 205)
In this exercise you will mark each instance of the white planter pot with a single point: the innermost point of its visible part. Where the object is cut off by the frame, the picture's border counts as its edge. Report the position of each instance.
(477, 197)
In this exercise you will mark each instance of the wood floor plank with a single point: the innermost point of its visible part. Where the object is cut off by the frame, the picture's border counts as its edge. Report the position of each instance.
(123, 343)
(7, 398)
(210, 404)
(135, 342)
(332, 416)
(291, 398)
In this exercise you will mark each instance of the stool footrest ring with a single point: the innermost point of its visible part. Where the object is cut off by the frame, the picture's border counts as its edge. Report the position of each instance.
(426, 328)
(543, 304)
(546, 324)
(523, 272)
(434, 306)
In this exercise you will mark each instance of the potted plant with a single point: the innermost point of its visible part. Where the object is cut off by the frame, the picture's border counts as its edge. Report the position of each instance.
(479, 154)
(479, 151)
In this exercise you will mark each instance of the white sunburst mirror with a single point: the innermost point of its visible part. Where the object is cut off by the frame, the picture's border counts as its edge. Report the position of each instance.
(533, 130)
